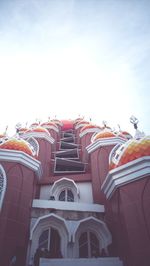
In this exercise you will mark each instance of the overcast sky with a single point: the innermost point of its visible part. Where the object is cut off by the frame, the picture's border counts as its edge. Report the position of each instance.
(65, 58)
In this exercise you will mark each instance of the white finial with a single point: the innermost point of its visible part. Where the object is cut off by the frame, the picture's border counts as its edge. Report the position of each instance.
(138, 133)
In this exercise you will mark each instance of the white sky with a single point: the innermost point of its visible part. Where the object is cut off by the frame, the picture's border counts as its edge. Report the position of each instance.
(65, 58)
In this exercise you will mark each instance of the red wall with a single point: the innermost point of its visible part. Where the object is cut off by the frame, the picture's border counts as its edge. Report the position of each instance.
(99, 160)
(15, 214)
(130, 222)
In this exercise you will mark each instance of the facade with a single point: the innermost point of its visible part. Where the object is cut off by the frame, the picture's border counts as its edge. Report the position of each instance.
(74, 193)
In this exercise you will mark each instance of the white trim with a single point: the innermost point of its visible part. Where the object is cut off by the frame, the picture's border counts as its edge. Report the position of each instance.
(51, 215)
(81, 125)
(69, 206)
(124, 174)
(89, 130)
(51, 127)
(39, 135)
(61, 184)
(30, 140)
(4, 186)
(21, 157)
(104, 142)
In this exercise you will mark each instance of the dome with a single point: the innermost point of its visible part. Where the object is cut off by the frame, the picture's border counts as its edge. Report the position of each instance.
(49, 124)
(18, 145)
(103, 134)
(67, 124)
(130, 151)
(22, 130)
(38, 129)
(125, 135)
(88, 126)
(34, 125)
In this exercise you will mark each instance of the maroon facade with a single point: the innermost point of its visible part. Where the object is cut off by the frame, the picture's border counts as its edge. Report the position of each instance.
(15, 214)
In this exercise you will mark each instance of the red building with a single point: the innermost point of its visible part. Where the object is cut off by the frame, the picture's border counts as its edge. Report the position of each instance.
(74, 193)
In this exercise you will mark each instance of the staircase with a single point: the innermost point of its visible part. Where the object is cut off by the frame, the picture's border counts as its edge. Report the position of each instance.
(107, 261)
(67, 158)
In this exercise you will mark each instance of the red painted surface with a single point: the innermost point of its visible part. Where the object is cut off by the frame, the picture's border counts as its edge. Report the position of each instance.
(130, 222)
(15, 214)
(67, 124)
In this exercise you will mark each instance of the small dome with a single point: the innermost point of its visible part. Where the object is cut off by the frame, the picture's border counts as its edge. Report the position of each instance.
(18, 145)
(67, 124)
(34, 125)
(130, 151)
(22, 130)
(38, 129)
(125, 135)
(103, 134)
(88, 126)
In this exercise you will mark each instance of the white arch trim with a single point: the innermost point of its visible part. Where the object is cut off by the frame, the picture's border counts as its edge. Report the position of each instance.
(96, 225)
(34, 143)
(50, 216)
(3, 187)
(64, 183)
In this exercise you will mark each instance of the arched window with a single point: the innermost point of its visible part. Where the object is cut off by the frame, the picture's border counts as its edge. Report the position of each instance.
(34, 145)
(66, 195)
(88, 245)
(50, 240)
(64, 189)
(2, 185)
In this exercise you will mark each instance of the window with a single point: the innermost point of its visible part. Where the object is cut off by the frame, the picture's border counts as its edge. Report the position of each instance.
(88, 245)
(50, 240)
(2, 185)
(66, 195)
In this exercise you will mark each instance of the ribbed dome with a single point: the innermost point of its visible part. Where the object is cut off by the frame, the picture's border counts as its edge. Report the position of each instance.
(18, 145)
(130, 151)
(88, 126)
(34, 124)
(103, 134)
(38, 129)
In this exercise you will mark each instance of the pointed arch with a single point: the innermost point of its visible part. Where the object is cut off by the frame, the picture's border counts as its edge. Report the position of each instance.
(61, 185)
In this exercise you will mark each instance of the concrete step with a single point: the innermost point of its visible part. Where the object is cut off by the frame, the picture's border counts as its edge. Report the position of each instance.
(107, 261)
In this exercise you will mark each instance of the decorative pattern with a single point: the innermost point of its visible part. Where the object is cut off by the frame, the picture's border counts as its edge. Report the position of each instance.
(131, 150)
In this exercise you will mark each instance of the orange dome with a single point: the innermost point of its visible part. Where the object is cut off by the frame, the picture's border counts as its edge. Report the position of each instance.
(67, 124)
(39, 130)
(22, 130)
(18, 145)
(88, 126)
(132, 150)
(103, 134)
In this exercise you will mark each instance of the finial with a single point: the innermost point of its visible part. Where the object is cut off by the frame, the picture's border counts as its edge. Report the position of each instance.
(6, 130)
(134, 121)
(90, 119)
(119, 128)
(49, 119)
(18, 126)
(138, 133)
(104, 123)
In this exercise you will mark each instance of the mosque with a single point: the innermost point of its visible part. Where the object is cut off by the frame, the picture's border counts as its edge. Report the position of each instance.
(74, 193)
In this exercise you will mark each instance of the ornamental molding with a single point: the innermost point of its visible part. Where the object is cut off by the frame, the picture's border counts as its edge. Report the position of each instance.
(22, 158)
(125, 174)
(104, 142)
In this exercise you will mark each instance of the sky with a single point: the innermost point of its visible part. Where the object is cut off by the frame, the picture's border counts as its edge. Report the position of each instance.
(67, 58)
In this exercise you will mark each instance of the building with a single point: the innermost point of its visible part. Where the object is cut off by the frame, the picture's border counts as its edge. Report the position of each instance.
(74, 193)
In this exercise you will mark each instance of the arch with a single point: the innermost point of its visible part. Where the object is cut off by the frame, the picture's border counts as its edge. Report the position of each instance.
(96, 227)
(54, 221)
(3, 183)
(63, 184)
(34, 145)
